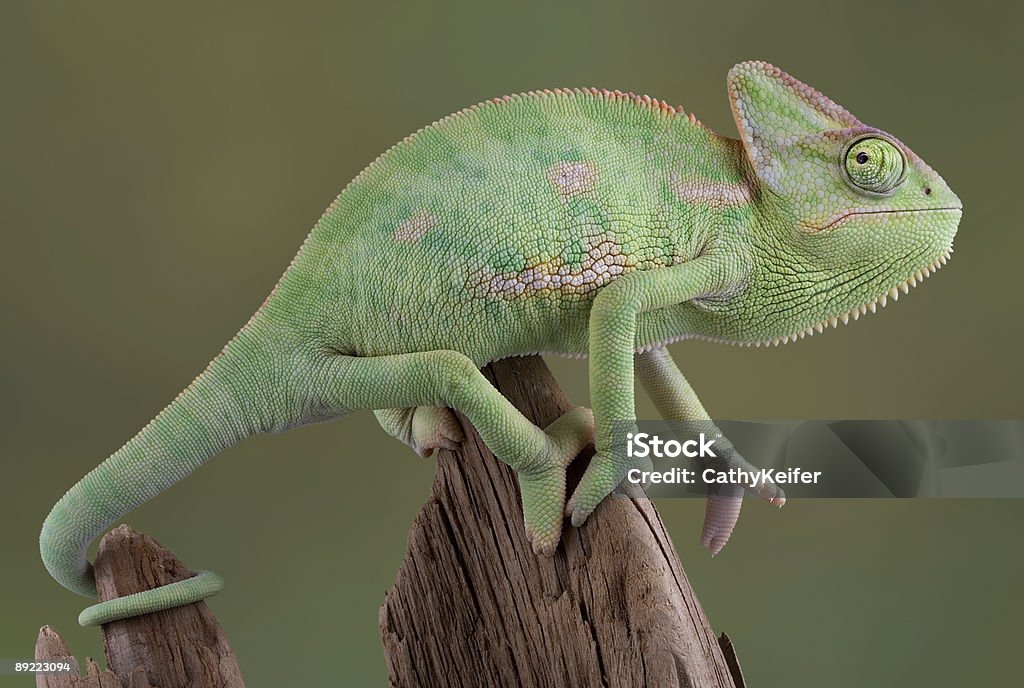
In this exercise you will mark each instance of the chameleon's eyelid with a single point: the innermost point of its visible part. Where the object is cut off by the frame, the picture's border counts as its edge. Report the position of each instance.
(860, 189)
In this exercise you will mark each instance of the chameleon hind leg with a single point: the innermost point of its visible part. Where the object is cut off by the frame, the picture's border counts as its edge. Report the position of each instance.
(675, 400)
(424, 428)
(451, 379)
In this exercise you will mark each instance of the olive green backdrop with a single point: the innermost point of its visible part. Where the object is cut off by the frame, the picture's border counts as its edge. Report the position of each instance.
(161, 165)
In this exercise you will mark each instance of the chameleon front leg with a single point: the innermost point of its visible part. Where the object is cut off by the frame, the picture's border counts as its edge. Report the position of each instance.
(450, 379)
(612, 342)
(675, 400)
(424, 428)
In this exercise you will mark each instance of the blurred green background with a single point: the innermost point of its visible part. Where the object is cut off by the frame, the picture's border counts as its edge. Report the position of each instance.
(162, 164)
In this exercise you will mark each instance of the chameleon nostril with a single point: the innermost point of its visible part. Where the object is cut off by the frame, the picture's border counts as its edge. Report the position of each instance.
(927, 191)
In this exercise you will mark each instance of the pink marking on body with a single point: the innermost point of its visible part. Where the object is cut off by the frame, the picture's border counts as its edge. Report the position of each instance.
(714, 193)
(572, 178)
(416, 226)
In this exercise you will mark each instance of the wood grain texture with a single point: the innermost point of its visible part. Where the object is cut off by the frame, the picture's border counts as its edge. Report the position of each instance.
(472, 605)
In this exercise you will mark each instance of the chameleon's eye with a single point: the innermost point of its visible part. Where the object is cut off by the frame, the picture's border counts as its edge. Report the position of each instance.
(874, 165)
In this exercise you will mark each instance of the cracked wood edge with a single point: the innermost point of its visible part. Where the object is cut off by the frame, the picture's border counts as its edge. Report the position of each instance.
(51, 647)
(472, 605)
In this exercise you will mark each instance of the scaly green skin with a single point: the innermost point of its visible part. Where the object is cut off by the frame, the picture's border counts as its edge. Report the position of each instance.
(570, 221)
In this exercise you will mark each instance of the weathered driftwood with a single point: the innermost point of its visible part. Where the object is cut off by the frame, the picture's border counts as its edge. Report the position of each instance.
(176, 648)
(473, 606)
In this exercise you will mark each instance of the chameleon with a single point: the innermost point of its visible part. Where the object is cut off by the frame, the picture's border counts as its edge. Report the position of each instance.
(578, 222)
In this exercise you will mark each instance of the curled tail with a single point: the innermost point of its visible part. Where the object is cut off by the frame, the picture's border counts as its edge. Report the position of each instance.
(220, 408)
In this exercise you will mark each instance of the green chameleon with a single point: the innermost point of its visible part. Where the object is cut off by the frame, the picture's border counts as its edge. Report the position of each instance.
(575, 222)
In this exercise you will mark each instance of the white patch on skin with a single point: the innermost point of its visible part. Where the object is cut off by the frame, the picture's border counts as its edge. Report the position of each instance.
(712, 193)
(572, 178)
(603, 262)
(416, 226)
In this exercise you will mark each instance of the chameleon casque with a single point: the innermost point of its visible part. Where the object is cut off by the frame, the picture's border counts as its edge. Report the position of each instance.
(576, 222)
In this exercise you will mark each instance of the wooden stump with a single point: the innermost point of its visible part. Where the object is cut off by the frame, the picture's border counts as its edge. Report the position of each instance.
(473, 606)
(183, 647)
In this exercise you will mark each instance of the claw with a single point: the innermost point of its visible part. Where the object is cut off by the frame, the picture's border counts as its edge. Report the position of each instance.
(602, 476)
(769, 492)
(542, 547)
(542, 496)
(576, 516)
(720, 518)
(543, 491)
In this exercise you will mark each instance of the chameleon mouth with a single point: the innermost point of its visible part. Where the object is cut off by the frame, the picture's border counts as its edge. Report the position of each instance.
(841, 218)
(857, 311)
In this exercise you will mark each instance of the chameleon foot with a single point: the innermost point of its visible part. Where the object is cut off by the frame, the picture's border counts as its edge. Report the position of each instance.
(434, 427)
(424, 428)
(543, 491)
(542, 495)
(723, 509)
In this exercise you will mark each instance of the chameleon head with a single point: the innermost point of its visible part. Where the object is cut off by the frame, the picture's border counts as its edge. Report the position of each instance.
(851, 217)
